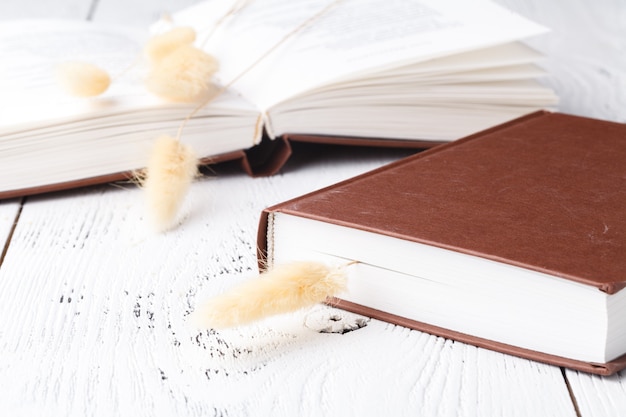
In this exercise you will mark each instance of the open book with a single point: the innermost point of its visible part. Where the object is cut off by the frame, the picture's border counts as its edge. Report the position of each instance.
(402, 73)
(512, 239)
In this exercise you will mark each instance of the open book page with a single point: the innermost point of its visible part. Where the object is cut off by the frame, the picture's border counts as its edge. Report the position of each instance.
(69, 138)
(31, 51)
(509, 61)
(354, 37)
(30, 93)
(476, 90)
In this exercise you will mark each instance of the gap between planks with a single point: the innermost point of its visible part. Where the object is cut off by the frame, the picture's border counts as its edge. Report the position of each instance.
(571, 393)
(92, 9)
(7, 243)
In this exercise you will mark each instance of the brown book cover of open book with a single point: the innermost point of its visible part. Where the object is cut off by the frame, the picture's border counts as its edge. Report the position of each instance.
(522, 225)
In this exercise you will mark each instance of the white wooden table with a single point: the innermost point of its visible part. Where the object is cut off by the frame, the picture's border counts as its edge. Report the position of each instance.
(93, 308)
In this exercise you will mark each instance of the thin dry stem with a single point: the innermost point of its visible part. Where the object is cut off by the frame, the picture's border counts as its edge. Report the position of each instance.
(284, 39)
(237, 7)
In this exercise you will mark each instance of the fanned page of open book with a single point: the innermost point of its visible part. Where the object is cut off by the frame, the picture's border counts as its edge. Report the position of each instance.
(32, 49)
(69, 138)
(357, 41)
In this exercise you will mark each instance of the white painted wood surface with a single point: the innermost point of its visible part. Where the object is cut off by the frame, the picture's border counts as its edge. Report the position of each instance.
(585, 53)
(9, 211)
(93, 307)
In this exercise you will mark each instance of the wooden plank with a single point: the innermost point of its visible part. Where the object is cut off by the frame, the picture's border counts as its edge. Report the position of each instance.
(583, 53)
(94, 310)
(39, 9)
(9, 211)
(599, 396)
(136, 13)
(117, 12)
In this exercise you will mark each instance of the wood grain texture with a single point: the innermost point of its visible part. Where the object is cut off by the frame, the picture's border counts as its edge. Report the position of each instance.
(39, 9)
(135, 13)
(94, 306)
(585, 53)
(9, 210)
(98, 306)
(599, 396)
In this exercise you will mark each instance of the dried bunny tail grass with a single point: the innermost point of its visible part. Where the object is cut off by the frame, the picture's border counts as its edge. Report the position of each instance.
(82, 79)
(282, 289)
(166, 179)
(183, 75)
(159, 46)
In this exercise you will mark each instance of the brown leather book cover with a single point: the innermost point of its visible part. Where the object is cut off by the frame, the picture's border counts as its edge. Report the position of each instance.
(546, 183)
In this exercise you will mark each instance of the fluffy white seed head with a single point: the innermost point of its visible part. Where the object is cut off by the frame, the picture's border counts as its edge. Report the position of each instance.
(166, 180)
(281, 289)
(183, 75)
(159, 46)
(82, 79)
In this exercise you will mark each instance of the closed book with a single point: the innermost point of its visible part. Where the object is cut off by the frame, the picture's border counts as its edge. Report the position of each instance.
(512, 239)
